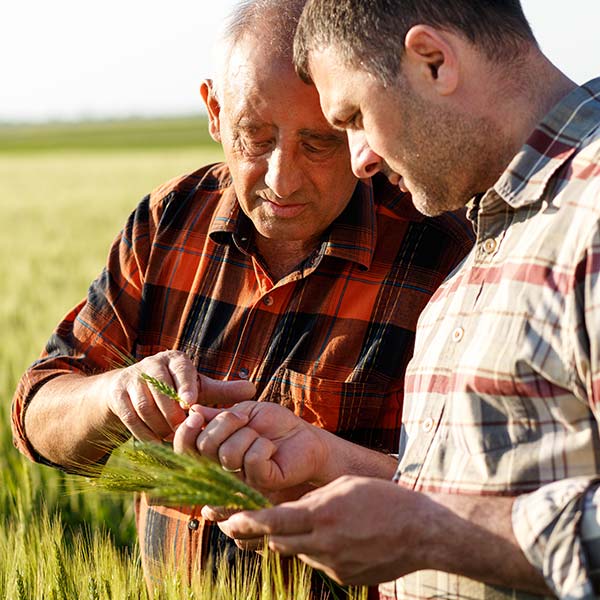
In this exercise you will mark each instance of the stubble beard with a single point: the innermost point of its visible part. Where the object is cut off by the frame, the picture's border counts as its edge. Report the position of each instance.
(457, 156)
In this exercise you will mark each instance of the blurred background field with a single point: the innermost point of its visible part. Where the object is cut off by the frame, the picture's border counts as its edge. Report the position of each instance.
(62, 201)
(65, 192)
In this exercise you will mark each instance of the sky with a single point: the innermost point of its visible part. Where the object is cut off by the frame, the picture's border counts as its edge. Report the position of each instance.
(71, 59)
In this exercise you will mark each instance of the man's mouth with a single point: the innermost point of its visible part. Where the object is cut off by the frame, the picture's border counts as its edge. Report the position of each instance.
(283, 211)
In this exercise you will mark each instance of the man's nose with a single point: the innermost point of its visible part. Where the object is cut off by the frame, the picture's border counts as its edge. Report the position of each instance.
(365, 163)
(284, 175)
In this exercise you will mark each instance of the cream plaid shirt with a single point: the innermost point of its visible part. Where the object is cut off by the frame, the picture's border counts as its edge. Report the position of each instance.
(503, 391)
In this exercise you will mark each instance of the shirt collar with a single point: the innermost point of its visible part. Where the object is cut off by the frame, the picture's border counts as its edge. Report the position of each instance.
(352, 235)
(552, 143)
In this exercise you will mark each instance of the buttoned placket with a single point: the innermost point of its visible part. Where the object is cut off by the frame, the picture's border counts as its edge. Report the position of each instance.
(489, 237)
(269, 294)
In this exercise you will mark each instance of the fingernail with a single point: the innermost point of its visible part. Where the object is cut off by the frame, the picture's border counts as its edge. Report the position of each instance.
(194, 420)
(187, 398)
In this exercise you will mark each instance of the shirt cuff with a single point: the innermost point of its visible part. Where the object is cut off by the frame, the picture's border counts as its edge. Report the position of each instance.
(547, 524)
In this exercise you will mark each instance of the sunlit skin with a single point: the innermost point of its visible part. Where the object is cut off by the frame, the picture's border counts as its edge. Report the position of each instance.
(384, 131)
(290, 168)
(433, 126)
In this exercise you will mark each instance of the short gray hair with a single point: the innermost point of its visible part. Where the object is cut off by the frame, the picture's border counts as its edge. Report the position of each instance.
(275, 21)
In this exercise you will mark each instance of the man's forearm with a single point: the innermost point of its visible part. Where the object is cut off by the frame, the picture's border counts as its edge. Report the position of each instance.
(364, 531)
(67, 421)
(473, 536)
(347, 458)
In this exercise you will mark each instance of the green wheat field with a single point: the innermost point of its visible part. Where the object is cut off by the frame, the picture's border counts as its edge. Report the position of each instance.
(65, 192)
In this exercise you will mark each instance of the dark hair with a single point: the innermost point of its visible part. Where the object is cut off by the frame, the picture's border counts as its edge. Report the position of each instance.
(372, 32)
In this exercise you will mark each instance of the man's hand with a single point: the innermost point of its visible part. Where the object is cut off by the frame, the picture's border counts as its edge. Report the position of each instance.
(221, 515)
(364, 531)
(275, 449)
(150, 415)
(357, 530)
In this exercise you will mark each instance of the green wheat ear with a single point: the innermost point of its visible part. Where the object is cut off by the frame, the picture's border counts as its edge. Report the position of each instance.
(164, 388)
(173, 479)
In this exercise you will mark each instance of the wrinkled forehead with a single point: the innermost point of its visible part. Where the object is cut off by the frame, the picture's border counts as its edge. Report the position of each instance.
(253, 62)
(262, 88)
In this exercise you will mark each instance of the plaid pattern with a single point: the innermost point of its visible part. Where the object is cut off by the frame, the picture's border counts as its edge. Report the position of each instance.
(502, 393)
(331, 340)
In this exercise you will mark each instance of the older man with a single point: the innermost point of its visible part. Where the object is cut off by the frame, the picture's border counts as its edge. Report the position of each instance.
(276, 275)
(499, 469)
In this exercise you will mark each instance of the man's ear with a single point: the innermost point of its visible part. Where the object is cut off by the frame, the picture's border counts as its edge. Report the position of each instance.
(209, 95)
(431, 57)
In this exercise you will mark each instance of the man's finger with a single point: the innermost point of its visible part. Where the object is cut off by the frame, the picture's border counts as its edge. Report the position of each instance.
(172, 413)
(207, 412)
(231, 452)
(294, 545)
(255, 544)
(184, 441)
(214, 391)
(123, 408)
(217, 431)
(144, 405)
(185, 377)
(284, 520)
(261, 471)
(217, 513)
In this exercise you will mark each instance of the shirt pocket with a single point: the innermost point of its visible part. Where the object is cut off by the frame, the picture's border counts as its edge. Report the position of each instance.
(349, 409)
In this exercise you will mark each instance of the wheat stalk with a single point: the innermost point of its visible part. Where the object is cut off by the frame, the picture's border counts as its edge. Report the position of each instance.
(173, 479)
(166, 389)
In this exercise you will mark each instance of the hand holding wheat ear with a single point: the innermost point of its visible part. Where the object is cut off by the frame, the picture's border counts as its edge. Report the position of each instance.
(141, 394)
(276, 449)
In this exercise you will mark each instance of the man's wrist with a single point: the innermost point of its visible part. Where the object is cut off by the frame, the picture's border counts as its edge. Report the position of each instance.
(341, 457)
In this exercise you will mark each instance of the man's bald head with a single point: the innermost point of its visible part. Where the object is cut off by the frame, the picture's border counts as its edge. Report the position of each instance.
(272, 23)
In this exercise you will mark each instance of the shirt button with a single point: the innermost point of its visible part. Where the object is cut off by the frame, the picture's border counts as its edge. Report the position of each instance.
(458, 334)
(243, 373)
(268, 301)
(427, 425)
(193, 524)
(490, 245)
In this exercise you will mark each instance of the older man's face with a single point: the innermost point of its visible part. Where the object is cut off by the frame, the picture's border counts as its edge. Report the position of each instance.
(291, 170)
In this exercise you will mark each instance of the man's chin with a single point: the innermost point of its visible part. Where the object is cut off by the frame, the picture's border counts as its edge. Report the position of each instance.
(429, 206)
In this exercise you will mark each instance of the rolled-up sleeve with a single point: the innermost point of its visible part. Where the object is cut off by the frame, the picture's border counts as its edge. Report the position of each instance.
(558, 530)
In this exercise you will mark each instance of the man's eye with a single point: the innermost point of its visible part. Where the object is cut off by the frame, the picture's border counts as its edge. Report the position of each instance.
(312, 149)
(256, 147)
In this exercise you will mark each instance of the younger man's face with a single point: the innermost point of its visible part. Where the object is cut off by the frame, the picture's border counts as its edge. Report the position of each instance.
(420, 141)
